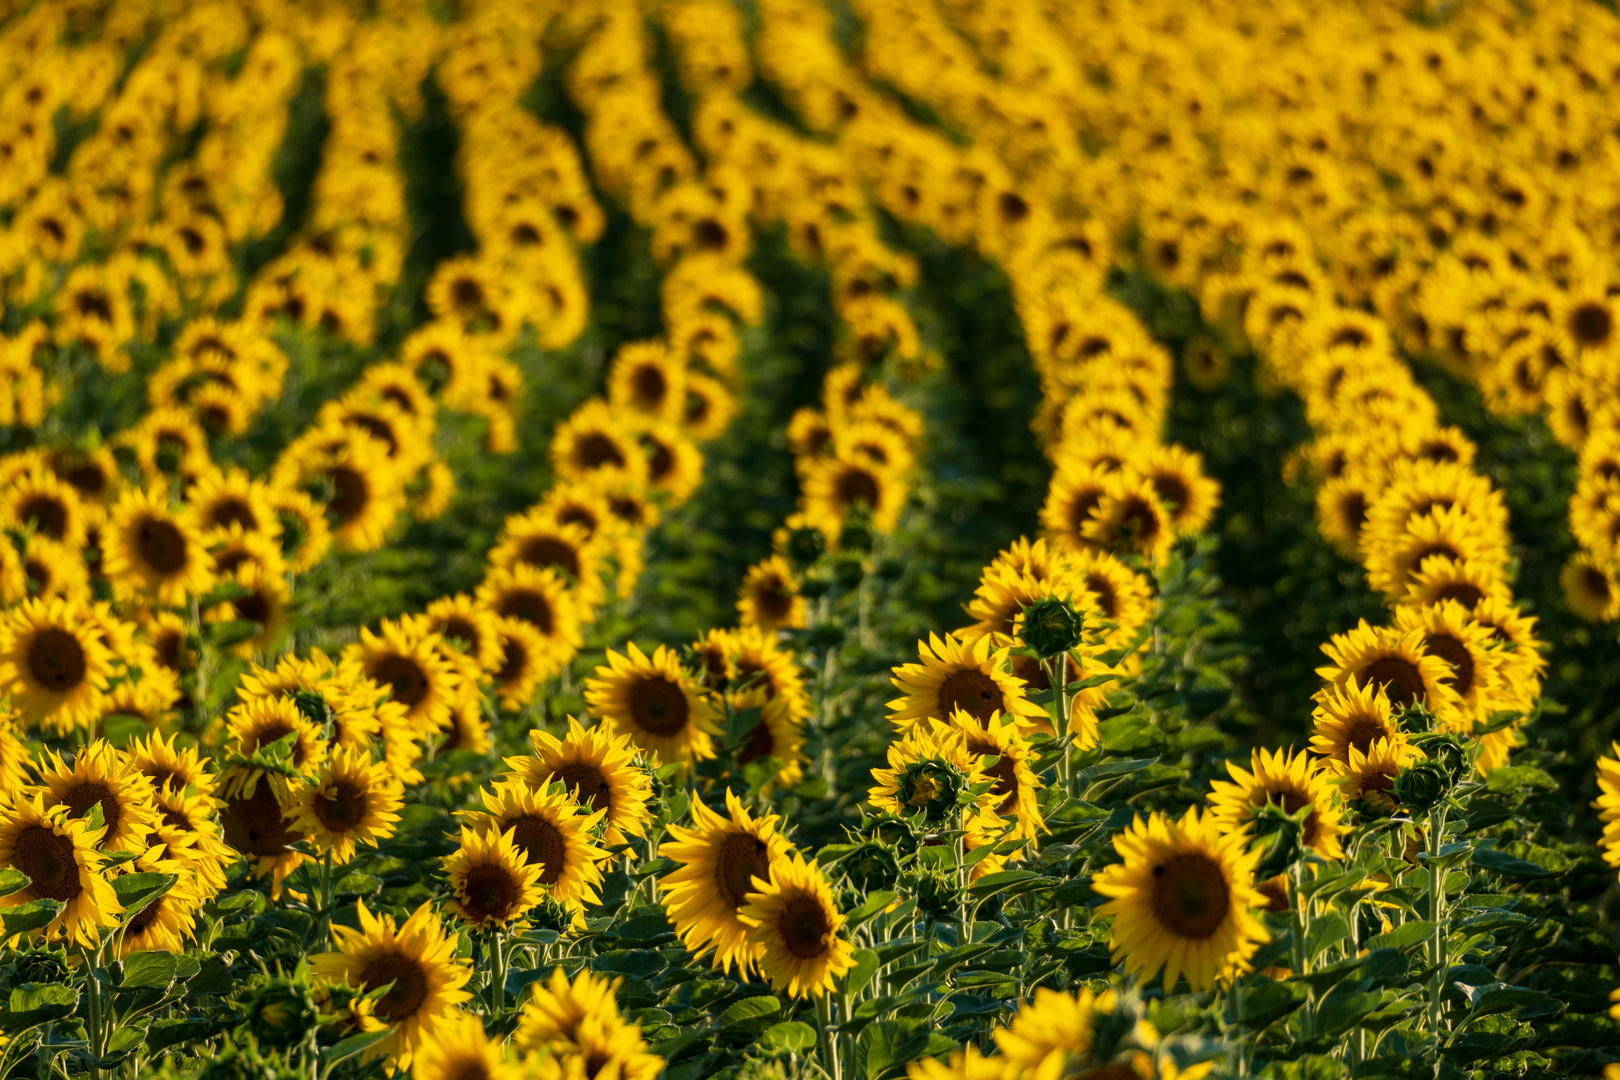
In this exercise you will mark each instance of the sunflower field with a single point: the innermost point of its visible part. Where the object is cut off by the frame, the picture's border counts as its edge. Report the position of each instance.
(809, 539)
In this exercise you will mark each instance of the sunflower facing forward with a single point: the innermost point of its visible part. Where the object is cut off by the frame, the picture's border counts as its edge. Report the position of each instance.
(655, 703)
(719, 857)
(956, 675)
(493, 882)
(101, 776)
(794, 922)
(417, 958)
(552, 833)
(1183, 900)
(58, 854)
(1292, 781)
(53, 664)
(598, 769)
(154, 552)
(351, 800)
(578, 1025)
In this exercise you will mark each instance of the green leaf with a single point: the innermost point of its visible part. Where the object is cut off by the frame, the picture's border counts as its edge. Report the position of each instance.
(866, 966)
(149, 971)
(750, 1011)
(231, 632)
(1489, 858)
(12, 879)
(1266, 1001)
(890, 1044)
(224, 593)
(353, 885)
(1406, 936)
(353, 1045)
(1129, 734)
(951, 959)
(1520, 1002)
(991, 884)
(136, 891)
(791, 1035)
(672, 1048)
(37, 1004)
(875, 903)
(1346, 1005)
(1325, 932)
(30, 916)
(1306, 1067)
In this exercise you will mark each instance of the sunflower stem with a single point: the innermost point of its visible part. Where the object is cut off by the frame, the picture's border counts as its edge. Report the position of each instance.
(1437, 910)
(498, 986)
(829, 1042)
(1302, 954)
(325, 914)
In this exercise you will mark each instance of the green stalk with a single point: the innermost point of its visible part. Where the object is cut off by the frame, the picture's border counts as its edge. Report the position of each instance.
(1302, 930)
(1437, 911)
(498, 987)
(824, 1036)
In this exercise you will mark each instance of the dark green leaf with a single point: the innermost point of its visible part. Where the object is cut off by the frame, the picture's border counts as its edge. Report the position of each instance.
(750, 1012)
(1489, 858)
(30, 916)
(792, 1035)
(149, 971)
(1406, 936)
(866, 966)
(353, 1045)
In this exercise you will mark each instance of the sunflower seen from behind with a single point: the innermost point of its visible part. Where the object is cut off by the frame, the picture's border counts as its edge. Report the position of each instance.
(794, 923)
(416, 960)
(655, 702)
(1183, 900)
(717, 859)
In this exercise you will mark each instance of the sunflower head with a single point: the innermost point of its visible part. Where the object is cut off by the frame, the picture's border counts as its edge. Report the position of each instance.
(1291, 783)
(494, 883)
(655, 702)
(796, 924)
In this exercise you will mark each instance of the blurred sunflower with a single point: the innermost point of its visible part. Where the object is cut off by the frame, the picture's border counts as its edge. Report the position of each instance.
(1291, 781)
(153, 552)
(350, 800)
(53, 665)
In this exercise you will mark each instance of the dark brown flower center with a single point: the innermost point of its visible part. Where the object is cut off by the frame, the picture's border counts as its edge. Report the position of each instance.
(56, 660)
(856, 485)
(972, 691)
(1456, 654)
(649, 386)
(256, 826)
(343, 809)
(586, 781)
(403, 676)
(659, 706)
(87, 793)
(408, 992)
(742, 858)
(1590, 324)
(596, 450)
(773, 599)
(1361, 730)
(232, 511)
(490, 894)
(48, 515)
(514, 661)
(1190, 896)
(530, 605)
(804, 927)
(543, 551)
(161, 545)
(543, 844)
(351, 493)
(1398, 676)
(47, 859)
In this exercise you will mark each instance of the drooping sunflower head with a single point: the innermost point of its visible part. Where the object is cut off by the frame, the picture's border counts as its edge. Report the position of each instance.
(953, 675)
(1290, 781)
(655, 702)
(719, 858)
(101, 778)
(795, 922)
(599, 769)
(53, 663)
(1182, 899)
(416, 961)
(493, 881)
(351, 800)
(553, 834)
(1353, 715)
(154, 551)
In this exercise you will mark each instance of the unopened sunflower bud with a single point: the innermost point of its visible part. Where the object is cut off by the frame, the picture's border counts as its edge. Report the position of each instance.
(1052, 627)
(1280, 837)
(871, 867)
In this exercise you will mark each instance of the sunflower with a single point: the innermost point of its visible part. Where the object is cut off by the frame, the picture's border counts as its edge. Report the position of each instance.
(542, 599)
(41, 501)
(493, 881)
(758, 662)
(526, 661)
(929, 766)
(597, 445)
(794, 924)
(769, 598)
(709, 407)
(1468, 581)
(1394, 660)
(1054, 1030)
(1072, 501)
(1177, 478)
(406, 658)
(169, 766)
(552, 832)
(578, 1026)
(224, 500)
(255, 725)
(459, 1049)
(150, 701)
(654, 702)
(1450, 632)
(463, 626)
(1369, 775)
(1006, 588)
(778, 734)
(350, 800)
(1518, 649)
(956, 675)
(257, 827)
(305, 534)
(102, 776)
(719, 857)
(468, 732)
(1341, 507)
(1293, 782)
(1130, 518)
(810, 433)
(418, 959)
(834, 486)
(674, 462)
(1182, 899)
(539, 541)
(1351, 716)
(1016, 782)
(15, 759)
(599, 769)
(94, 474)
(1590, 589)
(167, 923)
(58, 853)
(647, 379)
(53, 665)
(1393, 560)
(154, 552)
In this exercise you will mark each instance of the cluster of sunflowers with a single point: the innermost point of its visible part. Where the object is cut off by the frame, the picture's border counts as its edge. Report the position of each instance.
(299, 293)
